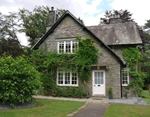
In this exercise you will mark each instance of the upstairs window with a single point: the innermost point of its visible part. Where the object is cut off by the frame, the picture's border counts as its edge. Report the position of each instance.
(125, 77)
(67, 46)
(61, 47)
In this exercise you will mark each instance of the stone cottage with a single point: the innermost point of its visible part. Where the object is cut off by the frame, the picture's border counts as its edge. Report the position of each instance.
(111, 39)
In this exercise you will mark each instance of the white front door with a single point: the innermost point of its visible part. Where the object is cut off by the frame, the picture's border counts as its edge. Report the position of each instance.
(99, 82)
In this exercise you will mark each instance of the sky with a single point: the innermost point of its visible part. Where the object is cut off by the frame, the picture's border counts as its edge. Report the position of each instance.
(89, 10)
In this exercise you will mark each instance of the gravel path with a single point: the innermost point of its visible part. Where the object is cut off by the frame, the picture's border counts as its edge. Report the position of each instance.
(127, 101)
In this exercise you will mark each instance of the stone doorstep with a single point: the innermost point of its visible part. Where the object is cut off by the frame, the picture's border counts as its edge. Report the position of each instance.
(96, 98)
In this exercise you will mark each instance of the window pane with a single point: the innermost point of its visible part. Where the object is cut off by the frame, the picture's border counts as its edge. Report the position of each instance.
(67, 78)
(99, 77)
(102, 78)
(60, 78)
(68, 46)
(74, 78)
(125, 76)
(61, 47)
(95, 78)
(74, 46)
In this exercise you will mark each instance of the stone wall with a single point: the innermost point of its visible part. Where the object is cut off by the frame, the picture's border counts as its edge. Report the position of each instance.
(68, 29)
(118, 49)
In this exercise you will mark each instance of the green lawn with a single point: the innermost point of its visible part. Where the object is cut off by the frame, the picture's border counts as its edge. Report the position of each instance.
(44, 108)
(125, 110)
(147, 96)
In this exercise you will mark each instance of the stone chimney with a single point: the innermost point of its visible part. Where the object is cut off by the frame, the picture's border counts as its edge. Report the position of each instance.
(115, 19)
(53, 18)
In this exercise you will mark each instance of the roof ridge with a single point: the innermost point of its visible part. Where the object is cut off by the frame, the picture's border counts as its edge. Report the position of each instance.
(57, 23)
(110, 24)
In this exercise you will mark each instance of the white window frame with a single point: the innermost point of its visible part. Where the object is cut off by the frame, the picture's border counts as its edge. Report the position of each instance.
(64, 79)
(71, 42)
(123, 70)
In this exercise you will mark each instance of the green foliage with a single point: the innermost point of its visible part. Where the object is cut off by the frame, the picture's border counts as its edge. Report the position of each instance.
(110, 91)
(48, 62)
(9, 26)
(35, 22)
(147, 24)
(19, 80)
(133, 57)
(76, 92)
(146, 62)
(124, 15)
(87, 55)
(11, 47)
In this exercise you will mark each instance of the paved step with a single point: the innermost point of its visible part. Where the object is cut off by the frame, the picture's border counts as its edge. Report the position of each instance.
(100, 96)
(101, 100)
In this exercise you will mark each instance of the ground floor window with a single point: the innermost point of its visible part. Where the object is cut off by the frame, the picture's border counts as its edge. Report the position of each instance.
(125, 76)
(67, 78)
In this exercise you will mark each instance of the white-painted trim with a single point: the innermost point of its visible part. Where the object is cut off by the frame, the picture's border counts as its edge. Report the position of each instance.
(93, 80)
(128, 77)
(74, 85)
(71, 43)
(64, 46)
(71, 46)
(124, 84)
(58, 47)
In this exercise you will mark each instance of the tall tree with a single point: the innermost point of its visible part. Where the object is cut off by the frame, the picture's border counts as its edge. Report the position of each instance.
(9, 26)
(147, 25)
(124, 15)
(11, 47)
(35, 22)
(9, 42)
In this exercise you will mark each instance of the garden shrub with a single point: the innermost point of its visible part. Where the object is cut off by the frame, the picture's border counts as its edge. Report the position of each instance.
(19, 80)
(76, 92)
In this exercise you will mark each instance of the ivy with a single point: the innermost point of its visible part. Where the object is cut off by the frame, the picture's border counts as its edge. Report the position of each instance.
(86, 55)
(133, 58)
(47, 62)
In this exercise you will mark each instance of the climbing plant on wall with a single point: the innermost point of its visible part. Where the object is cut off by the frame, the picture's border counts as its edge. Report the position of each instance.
(47, 62)
(133, 58)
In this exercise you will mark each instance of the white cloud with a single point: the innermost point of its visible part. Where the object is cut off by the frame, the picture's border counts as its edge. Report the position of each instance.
(139, 8)
(23, 39)
(6, 10)
(11, 1)
(80, 8)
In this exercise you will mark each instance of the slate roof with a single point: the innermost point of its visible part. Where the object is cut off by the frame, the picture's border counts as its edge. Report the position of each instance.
(123, 63)
(117, 34)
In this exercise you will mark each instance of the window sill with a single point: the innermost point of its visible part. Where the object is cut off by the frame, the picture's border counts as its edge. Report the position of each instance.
(124, 84)
(67, 85)
(65, 53)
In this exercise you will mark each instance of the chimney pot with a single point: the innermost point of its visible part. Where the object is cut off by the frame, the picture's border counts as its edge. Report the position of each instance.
(52, 8)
